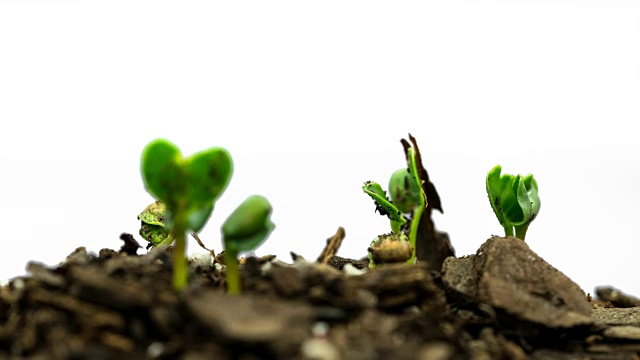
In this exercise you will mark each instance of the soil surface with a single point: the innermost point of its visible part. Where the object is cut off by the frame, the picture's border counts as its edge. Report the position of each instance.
(120, 305)
(504, 302)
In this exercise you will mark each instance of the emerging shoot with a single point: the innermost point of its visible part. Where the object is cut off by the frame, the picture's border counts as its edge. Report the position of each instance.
(514, 200)
(407, 198)
(152, 225)
(244, 230)
(189, 187)
(384, 205)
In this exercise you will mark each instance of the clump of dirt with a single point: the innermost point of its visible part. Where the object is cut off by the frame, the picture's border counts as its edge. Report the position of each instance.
(119, 305)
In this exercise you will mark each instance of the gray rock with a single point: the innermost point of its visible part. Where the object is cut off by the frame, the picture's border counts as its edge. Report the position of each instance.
(507, 275)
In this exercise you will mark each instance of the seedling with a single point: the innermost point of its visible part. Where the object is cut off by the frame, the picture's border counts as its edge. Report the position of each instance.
(514, 200)
(244, 230)
(407, 197)
(384, 206)
(152, 225)
(189, 187)
(186, 190)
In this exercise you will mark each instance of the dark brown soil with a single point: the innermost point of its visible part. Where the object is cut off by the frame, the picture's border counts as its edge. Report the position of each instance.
(118, 305)
(504, 302)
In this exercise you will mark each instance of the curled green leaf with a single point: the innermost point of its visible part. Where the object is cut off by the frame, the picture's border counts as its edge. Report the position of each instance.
(384, 206)
(514, 200)
(403, 190)
(248, 225)
(154, 214)
(190, 184)
(152, 225)
(246, 228)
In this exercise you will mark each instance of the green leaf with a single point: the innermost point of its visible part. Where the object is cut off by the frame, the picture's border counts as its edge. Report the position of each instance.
(196, 219)
(162, 171)
(385, 207)
(208, 172)
(248, 225)
(531, 186)
(494, 186)
(190, 185)
(152, 227)
(404, 191)
(156, 234)
(154, 214)
(514, 200)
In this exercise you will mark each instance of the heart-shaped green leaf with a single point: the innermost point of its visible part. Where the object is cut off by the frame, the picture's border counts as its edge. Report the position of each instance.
(198, 217)
(162, 171)
(208, 174)
(190, 184)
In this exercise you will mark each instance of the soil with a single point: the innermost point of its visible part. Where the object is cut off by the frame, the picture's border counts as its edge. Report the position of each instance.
(120, 305)
(503, 302)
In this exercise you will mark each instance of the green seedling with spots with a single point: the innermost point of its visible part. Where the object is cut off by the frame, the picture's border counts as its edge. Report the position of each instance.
(514, 199)
(404, 191)
(384, 205)
(152, 225)
(188, 187)
(244, 230)
(406, 198)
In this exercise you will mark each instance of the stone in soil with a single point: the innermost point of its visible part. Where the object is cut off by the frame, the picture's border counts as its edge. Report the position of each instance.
(509, 277)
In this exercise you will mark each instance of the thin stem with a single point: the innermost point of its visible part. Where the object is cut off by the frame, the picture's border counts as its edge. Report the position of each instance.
(233, 275)
(521, 231)
(508, 230)
(180, 265)
(396, 227)
(417, 214)
(413, 233)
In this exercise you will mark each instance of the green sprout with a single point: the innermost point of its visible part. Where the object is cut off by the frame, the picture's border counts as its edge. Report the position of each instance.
(186, 189)
(404, 191)
(514, 200)
(152, 225)
(244, 230)
(189, 187)
(384, 206)
(407, 197)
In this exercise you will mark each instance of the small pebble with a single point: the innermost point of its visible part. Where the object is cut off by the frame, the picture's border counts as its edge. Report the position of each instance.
(155, 349)
(320, 328)
(319, 349)
(351, 270)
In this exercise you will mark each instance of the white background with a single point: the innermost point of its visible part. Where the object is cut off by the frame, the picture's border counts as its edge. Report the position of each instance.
(311, 100)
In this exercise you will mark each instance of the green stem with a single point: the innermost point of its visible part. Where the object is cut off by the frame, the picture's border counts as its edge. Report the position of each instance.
(396, 227)
(521, 231)
(413, 233)
(233, 275)
(417, 214)
(180, 265)
(508, 230)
